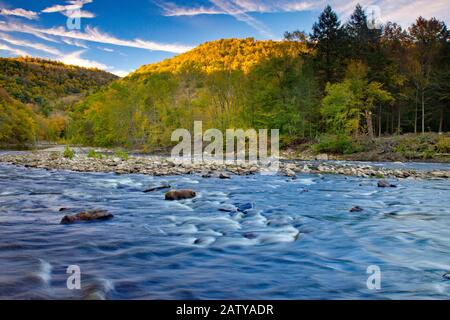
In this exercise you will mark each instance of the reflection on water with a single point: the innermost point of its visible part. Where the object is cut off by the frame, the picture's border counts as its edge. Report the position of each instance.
(261, 237)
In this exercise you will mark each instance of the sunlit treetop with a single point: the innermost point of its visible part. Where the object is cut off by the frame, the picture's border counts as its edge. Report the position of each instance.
(227, 54)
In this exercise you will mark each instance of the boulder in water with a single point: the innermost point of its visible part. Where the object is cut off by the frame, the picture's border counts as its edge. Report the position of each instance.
(289, 173)
(156, 188)
(446, 275)
(180, 194)
(206, 174)
(385, 184)
(223, 175)
(92, 215)
(244, 207)
(356, 209)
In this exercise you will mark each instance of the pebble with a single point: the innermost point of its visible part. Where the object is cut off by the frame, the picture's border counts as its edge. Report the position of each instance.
(163, 166)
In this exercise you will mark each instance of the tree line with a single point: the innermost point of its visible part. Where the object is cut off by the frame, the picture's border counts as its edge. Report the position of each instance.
(341, 83)
(403, 74)
(343, 80)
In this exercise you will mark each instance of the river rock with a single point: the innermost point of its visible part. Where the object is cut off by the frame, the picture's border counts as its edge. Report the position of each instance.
(156, 188)
(385, 184)
(206, 174)
(356, 209)
(91, 215)
(322, 157)
(223, 175)
(289, 173)
(243, 207)
(440, 174)
(180, 194)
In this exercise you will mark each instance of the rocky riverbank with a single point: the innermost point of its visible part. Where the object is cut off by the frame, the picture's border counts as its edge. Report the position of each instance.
(163, 166)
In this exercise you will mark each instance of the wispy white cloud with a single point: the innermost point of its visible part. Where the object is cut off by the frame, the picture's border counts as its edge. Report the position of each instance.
(240, 14)
(72, 9)
(268, 6)
(79, 14)
(92, 35)
(240, 10)
(24, 28)
(239, 6)
(75, 59)
(120, 73)
(14, 51)
(105, 49)
(28, 44)
(74, 43)
(404, 12)
(173, 10)
(28, 14)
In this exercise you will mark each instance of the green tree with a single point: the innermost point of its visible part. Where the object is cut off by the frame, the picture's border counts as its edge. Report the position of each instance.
(429, 36)
(354, 98)
(328, 40)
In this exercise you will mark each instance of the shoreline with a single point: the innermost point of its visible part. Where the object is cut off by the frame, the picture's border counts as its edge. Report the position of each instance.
(158, 165)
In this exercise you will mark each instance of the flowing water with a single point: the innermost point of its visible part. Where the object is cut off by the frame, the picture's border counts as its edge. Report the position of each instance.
(258, 237)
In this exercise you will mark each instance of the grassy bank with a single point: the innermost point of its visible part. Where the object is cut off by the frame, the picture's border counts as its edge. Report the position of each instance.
(431, 147)
(428, 147)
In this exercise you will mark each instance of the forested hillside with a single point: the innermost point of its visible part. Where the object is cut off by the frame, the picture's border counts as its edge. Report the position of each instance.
(226, 54)
(340, 87)
(226, 83)
(50, 89)
(44, 82)
(341, 84)
(17, 121)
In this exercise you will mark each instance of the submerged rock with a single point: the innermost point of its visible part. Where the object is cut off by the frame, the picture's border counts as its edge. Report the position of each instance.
(385, 184)
(87, 216)
(244, 207)
(156, 188)
(206, 174)
(356, 209)
(289, 173)
(446, 275)
(250, 235)
(223, 175)
(204, 241)
(180, 194)
(228, 208)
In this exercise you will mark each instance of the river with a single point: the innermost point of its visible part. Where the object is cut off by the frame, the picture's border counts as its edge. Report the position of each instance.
(249, 237)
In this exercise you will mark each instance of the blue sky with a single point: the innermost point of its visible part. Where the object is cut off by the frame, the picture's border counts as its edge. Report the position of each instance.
(120, 36)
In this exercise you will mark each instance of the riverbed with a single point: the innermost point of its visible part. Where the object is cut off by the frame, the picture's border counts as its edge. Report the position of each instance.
(251, 236)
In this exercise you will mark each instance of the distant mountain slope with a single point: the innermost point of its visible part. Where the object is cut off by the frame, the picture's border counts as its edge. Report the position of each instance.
(226, 54)
(225, 83)
(44, 83)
